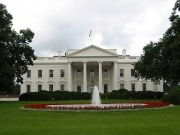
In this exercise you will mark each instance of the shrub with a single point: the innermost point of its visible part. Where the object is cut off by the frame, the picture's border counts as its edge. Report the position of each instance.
(173, 96)
(67, 95)
(56, 95)
(125, 94)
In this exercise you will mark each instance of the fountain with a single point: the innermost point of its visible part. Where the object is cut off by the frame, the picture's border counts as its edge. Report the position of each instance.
(95, 105)
(96, 101)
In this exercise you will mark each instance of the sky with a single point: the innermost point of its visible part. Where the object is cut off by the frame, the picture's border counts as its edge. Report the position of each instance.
(114, 24)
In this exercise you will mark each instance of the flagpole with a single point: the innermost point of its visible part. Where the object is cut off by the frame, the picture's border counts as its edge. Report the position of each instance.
(91, 39)
(90, 35)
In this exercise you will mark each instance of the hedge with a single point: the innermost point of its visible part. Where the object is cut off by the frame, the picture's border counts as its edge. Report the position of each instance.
(66, 95)
(125, 94)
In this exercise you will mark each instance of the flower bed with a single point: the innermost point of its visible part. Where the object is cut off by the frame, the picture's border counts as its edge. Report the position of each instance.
(89, 107)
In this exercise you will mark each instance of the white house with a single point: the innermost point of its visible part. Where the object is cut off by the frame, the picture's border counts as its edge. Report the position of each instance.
(80, 69)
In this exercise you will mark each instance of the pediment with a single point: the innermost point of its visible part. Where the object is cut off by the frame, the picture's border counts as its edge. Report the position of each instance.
(39, 82)
(92, 51)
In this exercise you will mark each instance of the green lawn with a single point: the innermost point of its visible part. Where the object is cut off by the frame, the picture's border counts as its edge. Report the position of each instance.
(14, 121)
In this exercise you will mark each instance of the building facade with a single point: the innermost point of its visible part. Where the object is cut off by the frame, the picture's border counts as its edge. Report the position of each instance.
(80, 69)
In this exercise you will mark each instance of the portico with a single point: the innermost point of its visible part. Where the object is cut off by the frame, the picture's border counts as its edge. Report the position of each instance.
(86, 74)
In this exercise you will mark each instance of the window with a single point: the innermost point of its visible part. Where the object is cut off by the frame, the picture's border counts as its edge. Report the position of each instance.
(50, 73)
(29, 73)
(155, 86)
(79, 88)
(121, 72)
(79, 74)
(132, 72)
(133, 88)
(28, 88)
(92, 73)
(62, 74)
(144, 86)
(39, 73)
(105, 73)
(62, 87)
(39, 87)
(50, 87)
(121, 86)
(105, 88)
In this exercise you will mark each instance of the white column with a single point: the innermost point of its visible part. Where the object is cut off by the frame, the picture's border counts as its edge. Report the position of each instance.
(69, 77)
(100, 76)
(115, 76)
(84, 77)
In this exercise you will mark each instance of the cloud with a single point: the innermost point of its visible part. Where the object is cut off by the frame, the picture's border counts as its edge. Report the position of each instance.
(65, 24)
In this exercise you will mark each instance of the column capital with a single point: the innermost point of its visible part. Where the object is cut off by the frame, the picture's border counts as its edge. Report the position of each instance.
(115, 62)
(100, 61)
(84, 61)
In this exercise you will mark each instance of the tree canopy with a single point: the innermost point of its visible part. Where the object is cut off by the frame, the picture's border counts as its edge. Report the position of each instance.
(15, 53)
(161, 60)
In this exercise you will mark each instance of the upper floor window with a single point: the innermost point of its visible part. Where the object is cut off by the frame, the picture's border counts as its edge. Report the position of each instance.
(132, 72)
(144, 86)
(62, 73)
(50, 73)
(105, 73)
(121, 72)
(79, 73)
(91, 73)
(39, 73)
(29, 73)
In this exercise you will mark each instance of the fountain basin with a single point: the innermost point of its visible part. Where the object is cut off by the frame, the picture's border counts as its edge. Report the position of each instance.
(90, 107)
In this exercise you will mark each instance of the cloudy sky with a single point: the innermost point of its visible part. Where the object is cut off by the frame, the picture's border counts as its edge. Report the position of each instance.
(115, 24)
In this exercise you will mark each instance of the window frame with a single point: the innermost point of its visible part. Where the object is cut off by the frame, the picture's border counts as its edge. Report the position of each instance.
(51, 87)
(132, 72)
(39, 87)
(28, 88)
(62, 73)
(51, 73)
(79, 73)
(144, 86)
(105, 73)
(121, 84)
(121, 72)
(29, 74)
(62, 87)
(39, 73)
(133, 87)
(79, 88)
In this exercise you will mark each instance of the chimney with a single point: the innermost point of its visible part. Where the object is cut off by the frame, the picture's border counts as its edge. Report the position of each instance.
(124, 52)
(59, 52)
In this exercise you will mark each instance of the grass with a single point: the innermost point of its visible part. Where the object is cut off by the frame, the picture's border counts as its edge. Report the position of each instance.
(14, 121)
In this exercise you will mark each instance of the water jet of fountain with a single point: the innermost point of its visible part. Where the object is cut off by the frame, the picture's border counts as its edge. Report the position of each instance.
(96, 97)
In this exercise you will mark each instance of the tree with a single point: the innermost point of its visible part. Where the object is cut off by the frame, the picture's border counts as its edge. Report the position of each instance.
(161, 60)
(15, 53)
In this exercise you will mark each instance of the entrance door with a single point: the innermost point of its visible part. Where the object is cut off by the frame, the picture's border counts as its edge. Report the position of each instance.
(105, 88)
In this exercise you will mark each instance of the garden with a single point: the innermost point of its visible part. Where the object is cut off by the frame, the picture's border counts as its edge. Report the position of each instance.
(162, 121)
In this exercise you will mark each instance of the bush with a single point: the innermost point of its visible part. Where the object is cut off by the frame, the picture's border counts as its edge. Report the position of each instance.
(173, 96)
(56, 95)
(125, 94)
(66, 95)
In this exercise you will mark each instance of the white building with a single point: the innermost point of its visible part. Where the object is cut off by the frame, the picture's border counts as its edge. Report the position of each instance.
(81, 69)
